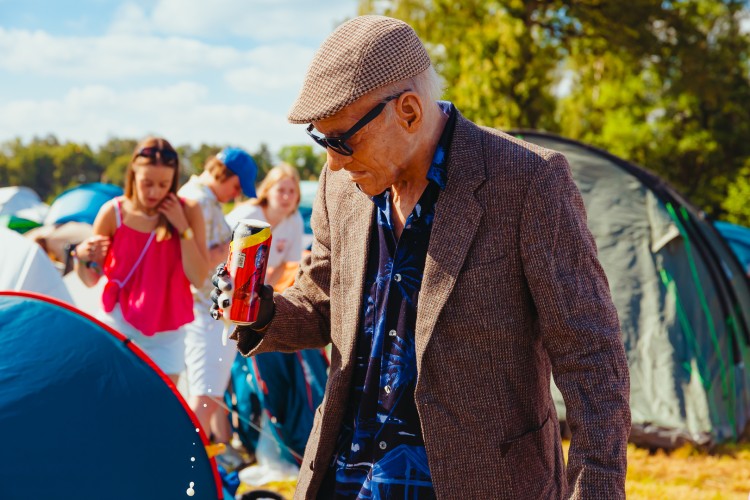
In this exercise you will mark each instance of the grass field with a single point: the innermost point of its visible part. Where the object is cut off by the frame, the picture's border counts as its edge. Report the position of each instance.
(688, 474)
(685, 474)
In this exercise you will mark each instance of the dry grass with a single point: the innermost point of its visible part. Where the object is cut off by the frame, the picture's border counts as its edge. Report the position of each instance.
(684, 474)
(688, 474)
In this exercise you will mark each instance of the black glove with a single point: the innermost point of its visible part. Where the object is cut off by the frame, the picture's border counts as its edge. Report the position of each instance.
(221, 297)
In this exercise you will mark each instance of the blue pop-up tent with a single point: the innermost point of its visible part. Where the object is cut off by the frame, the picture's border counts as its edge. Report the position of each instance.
(85, 414)
(738, 238)
(81, 203)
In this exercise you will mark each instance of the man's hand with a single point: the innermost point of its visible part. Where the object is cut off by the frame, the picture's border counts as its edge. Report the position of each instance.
(221, 296)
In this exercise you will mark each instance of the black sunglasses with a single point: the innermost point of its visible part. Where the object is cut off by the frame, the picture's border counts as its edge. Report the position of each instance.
(338, 144)
(166, 156)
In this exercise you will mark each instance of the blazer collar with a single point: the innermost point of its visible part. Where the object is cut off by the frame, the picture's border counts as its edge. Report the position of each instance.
(356, 214)
(457, 217)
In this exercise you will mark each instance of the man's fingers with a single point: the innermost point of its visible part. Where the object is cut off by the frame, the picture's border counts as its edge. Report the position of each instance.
(225, 300)
(215, 312)
(224, 284)
(215, 295)
(221, 278)
(221, 269)
(266, 292)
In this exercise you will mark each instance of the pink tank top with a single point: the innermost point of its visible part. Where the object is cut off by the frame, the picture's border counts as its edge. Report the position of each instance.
(147, 279)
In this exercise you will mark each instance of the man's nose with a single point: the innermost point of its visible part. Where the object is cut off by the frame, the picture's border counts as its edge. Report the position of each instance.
(336, 161)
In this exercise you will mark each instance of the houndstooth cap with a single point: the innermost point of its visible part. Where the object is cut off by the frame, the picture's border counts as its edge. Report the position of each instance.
(361, 55)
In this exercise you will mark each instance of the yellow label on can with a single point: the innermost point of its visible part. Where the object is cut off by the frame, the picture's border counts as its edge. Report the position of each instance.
(250, 241)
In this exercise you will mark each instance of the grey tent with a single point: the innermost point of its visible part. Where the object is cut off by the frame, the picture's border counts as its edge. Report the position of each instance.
(682, 298)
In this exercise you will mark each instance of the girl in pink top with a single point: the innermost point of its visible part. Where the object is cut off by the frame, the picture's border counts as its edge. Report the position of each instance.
(150, 246)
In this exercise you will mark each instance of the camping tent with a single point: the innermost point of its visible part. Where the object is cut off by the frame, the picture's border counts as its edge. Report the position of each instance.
(681, 295)
(87, 415)
(22, 202)
(738, 238)
(25, 266)
(81, 203)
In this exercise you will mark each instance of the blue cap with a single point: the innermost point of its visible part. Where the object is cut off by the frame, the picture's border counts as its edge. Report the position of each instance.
(242, 165)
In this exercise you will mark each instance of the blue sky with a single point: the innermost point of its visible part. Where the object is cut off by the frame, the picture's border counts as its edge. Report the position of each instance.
(193, 71)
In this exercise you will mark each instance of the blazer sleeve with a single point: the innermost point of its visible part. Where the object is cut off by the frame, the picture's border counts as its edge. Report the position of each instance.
(580, 330)
(302, 313)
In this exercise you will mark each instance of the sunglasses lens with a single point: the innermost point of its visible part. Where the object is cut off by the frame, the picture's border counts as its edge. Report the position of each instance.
(168, 155)
(165, 155)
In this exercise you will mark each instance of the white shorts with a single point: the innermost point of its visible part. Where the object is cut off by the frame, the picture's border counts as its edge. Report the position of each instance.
(207, 362)
(166, 349)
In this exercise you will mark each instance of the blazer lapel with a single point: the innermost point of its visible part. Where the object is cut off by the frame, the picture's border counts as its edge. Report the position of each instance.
(356, 216)
(457, 216)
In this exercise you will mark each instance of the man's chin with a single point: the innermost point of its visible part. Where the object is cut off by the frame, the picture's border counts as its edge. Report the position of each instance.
(368, 190)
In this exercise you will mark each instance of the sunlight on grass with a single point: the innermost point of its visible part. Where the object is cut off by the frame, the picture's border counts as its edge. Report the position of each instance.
(687, 473)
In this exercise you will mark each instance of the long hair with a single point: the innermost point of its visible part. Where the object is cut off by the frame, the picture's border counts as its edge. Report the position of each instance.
(163, 227)
(274, 176)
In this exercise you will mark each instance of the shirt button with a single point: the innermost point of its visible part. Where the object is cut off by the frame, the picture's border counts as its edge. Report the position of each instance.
(387, 389)
(383, 445)
(392, 333)
(397, 277)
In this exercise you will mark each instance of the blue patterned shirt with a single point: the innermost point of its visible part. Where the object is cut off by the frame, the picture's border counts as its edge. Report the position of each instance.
(380, 452)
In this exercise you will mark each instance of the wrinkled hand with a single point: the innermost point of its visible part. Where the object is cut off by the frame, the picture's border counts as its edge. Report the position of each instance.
(221, 296)
(172, 209)
(93, 249)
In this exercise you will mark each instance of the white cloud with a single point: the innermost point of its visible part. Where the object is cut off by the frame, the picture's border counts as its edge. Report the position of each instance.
(272, 70)
(131, 19)
(258, 19)
(180, 112)
(172, 67)
(111, 56)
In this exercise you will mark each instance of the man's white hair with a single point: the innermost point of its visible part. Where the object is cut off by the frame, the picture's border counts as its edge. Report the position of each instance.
(426, 84)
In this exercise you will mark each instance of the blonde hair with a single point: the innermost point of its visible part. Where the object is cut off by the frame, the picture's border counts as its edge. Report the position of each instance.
(274, 176)
(163, 227)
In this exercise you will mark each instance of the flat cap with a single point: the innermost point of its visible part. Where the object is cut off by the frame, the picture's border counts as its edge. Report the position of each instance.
(361, 55)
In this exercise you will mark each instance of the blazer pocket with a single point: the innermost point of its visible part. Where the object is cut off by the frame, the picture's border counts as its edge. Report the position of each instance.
(532, 456)
(488, 248)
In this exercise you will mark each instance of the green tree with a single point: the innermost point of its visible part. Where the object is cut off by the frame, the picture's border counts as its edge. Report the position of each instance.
(308, 162)
(74, 165)
(33, 166)
(114, 157)
(663, 83)
(264, 159)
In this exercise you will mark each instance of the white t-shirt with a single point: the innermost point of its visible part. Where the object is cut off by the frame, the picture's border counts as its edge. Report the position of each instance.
(217, 232)
(286, 245)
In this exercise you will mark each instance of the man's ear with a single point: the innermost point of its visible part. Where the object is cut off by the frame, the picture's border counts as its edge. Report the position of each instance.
(410, 111)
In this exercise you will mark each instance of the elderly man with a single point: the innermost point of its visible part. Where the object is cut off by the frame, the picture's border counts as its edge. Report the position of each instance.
(452, 271)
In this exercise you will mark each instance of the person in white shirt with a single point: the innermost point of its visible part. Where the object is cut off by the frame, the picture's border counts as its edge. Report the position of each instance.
(207, 361)
(277, 202)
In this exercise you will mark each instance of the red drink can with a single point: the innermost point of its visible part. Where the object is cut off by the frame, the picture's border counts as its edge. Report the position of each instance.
(246, 264)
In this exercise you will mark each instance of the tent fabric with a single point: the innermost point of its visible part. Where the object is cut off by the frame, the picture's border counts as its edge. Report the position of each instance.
(81, 204)
(56, 238)
(87, 415)
(18, 224)
(682, 299)
(278, 392)
(738, 238)
(22, 202)
(25, 266)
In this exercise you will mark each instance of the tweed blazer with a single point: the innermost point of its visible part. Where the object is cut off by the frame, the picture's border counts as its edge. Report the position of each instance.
(512, 292)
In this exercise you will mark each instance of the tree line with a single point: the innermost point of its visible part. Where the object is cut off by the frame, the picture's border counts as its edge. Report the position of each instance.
(49, 166)
(662, 83)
